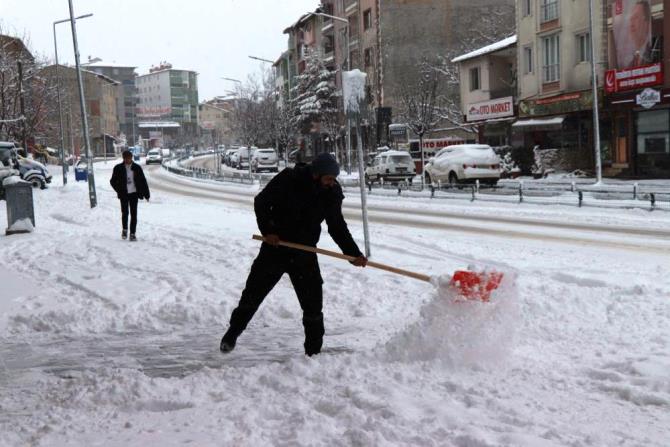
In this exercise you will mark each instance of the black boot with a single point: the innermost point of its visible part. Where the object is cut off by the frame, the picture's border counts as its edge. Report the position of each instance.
(314, 331)
(228, 342)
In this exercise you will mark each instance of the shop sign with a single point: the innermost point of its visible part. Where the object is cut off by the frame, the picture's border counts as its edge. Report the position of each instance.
(496, 108)
(557, 105)
(634, 78)
(648, 98)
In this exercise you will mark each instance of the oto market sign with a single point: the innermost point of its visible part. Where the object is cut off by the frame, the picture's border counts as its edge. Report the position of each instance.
(496, 108)
(633, 78)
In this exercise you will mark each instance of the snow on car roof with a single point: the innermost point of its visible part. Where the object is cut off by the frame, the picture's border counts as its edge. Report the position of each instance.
(393, 152)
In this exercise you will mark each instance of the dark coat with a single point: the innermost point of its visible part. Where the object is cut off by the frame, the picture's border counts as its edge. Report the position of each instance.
(119, 181)
(293, 206)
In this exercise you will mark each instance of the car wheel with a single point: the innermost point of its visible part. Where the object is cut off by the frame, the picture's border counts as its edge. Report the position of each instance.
(453, 179)
(37, 182)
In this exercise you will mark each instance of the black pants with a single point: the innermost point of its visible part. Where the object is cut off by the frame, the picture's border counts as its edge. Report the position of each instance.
(129, 202)
(267, 269)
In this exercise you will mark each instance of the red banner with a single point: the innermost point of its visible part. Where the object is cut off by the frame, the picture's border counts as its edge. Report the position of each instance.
(634, 78)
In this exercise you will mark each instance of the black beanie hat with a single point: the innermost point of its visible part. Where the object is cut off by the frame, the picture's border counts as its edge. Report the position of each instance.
(325, 164)
(126, 153)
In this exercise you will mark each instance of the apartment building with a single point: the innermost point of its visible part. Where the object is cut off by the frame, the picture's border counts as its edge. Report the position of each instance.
(554, 72)
(101, 96)
(126, 98)
(214, 120)
(167, 107)
(637, 88)
(488, 90)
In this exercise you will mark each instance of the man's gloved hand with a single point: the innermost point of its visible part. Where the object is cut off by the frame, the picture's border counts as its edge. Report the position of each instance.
(360, 261)
(272, 239)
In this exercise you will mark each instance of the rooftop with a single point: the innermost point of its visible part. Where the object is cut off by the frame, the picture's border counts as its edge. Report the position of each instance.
(497, 46)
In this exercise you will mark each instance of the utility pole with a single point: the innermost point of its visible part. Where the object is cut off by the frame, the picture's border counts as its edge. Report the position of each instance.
(22, 105)
(594, 86)
(87, 140)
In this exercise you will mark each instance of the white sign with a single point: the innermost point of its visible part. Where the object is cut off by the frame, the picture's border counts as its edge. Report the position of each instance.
(496, 108)
(648, 98)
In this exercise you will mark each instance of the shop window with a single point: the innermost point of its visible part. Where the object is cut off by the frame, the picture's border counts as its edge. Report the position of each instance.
(653, 132)
(474, 79)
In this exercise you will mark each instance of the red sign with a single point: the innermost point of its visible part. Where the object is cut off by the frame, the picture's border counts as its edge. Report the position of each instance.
(559, 98)
(633, 78)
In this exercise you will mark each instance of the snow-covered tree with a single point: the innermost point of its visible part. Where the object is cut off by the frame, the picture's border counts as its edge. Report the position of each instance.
(316, 97)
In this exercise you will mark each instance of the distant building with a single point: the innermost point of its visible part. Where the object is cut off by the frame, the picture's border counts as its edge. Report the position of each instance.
(488, 90)
(214, 120)
(101, 96)
(127, 97)
(167, 108)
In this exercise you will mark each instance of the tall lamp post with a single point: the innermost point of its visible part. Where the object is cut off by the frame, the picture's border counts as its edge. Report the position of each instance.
(348, 56)
(594, 86)
(60, 113)
(84, 119)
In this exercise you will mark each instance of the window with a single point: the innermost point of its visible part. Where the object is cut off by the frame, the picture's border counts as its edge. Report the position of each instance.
(527, 60)
(367, 19)
(526, 6)
(552, 62)
(474, 79)
(367, 57)
(652, 132)
(584, 48)
(549, 10)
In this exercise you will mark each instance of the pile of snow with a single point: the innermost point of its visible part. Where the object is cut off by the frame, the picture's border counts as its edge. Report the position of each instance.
(21, 226)
(460, 332)
(12, 180)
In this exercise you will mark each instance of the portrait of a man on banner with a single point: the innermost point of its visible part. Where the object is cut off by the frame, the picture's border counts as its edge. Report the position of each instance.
(632, 33)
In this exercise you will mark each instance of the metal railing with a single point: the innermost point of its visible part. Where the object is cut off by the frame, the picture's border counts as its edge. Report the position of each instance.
(207, 174)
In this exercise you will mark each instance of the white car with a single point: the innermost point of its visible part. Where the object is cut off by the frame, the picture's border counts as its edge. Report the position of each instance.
(154, 156)
(264, 160)
(241, 159)
(390, 166)
(464, 163)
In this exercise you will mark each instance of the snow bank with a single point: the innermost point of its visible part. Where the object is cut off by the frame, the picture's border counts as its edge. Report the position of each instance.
(459, 332)
(22, 225)
(12, 180)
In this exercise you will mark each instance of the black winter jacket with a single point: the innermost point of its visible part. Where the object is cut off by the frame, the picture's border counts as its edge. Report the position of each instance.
(119, 181)
(293, 206)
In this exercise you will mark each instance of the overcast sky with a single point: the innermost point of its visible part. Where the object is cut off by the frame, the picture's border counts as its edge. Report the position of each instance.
(212, 37)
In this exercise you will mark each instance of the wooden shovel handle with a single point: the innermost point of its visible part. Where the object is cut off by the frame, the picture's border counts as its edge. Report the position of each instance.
(334, 254)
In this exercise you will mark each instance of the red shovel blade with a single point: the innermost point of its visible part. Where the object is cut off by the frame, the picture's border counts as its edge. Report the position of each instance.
(476, 285)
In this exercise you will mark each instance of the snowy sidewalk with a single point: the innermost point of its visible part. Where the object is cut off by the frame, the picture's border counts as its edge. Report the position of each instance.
(107, 342)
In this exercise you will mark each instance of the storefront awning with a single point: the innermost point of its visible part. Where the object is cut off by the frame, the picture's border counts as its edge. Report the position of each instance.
(553, 123)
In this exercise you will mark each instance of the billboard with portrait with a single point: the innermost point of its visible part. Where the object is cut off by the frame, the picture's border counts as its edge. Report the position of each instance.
(632, 33)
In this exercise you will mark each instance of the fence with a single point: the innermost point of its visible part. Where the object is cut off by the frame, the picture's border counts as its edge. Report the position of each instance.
(177, 166)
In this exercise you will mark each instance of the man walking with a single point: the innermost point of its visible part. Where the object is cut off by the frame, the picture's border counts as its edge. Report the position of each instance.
(291, 208)
(130, 185)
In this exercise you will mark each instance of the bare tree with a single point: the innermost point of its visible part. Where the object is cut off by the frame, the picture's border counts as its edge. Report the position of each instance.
(420, 104)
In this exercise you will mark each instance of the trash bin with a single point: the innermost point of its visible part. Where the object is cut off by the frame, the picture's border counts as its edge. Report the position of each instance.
(20, 210)
(81, 172)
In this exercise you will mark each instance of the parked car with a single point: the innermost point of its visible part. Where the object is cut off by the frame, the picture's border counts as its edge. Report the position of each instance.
(227, 156)
(264, 160)
(464, 163)
(154, 156)
(391, 166)
(34, 172)
(242, 157)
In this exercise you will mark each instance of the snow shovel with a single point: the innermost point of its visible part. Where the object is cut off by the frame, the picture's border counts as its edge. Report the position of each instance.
(471, 285)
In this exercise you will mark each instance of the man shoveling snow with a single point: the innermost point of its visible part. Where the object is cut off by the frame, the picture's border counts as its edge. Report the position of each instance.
(291, 208)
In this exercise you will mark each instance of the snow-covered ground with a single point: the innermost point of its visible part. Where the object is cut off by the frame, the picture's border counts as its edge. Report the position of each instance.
(107, 342)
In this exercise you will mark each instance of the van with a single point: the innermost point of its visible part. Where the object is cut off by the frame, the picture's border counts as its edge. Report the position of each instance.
(391, 166)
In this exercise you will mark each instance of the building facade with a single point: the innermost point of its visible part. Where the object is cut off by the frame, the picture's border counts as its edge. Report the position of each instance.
(127, 96)
(215, 122)
(554, 72)
(637, 88)
(101, 97)
(167, 107)
(488, 90)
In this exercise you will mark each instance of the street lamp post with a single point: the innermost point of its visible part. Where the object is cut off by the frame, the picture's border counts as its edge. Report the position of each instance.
(348, 56)
(60, 112)
(274, 87)
(594, 86)
(84, 119)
